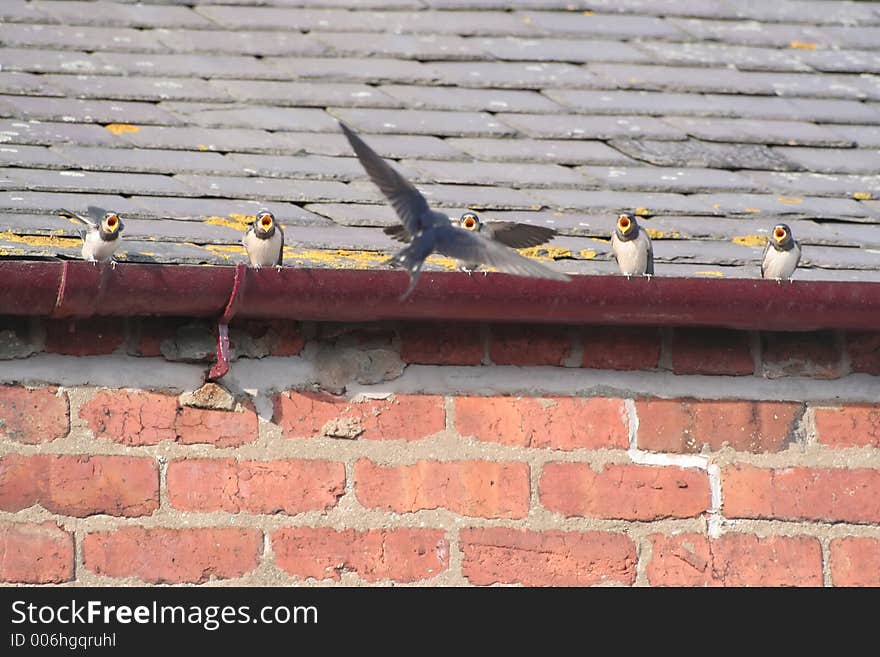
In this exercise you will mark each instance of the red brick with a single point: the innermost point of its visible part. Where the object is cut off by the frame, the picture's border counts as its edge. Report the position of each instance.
(853, 425)
(219, 428)
(33, 416)
(672, 425)
(80, 485)
(147, 418)
(519, 344)
(172, 556)
(35, 554)
(855, 562)
(512, 556)
(150, 332)
(92, 336)
(131, 417)
(406, 417)
(438, 343)
(289, 486)
(815, 354)
(471, 488)
(401, 555)
(735, 560)
(621, 348)
(711, 351)
(367, 335)
(558, 423)
(863, 348)
(280, 337)
(832, 494)
(631, 492)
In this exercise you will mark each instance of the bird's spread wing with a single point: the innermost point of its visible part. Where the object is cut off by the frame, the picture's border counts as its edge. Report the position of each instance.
(73, 215)
(398, 232)
(407, 201)
(470, 247)
(96, 214)
(517, 235)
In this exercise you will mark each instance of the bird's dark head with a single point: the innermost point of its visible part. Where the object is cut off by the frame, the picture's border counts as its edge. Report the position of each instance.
(627, 226)
(781, 237)
(264, 226)
(470, 221)
(111, 225)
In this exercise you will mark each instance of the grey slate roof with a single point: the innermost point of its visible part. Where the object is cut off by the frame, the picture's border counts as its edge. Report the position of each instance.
(711, 119)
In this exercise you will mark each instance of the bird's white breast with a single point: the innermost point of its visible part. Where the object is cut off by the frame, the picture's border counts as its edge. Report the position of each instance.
(632, 255)
(94, 248)
(781, 264)
(262, 253)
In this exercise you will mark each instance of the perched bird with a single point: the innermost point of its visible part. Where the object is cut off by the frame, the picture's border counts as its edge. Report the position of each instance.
(264, 241)
(100, 234)
(632, 248)
(432, 231)
(510, 233)
(781, 255)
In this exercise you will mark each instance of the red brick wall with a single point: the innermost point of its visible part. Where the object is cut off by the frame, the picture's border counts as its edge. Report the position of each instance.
(103, 486)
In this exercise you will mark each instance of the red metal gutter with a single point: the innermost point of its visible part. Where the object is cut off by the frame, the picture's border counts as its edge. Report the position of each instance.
(80, 289)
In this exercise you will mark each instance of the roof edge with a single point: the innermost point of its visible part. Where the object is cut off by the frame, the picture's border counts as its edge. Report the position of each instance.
(82, 289)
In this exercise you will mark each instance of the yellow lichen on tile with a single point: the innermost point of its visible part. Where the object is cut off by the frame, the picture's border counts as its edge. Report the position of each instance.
(655, 234)
(802, 45)
(716, 274)
(337, 258)
(587, 254)
(750, 240)
(641, 212)
(752, 210)
(42, 240)
(225, 251)
(236, 221)
(790, 200)
(118, 128)
(545, 252)
(862, 196)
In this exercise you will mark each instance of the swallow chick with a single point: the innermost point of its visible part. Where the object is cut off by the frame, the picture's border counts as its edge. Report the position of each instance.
(100, 234)
(781, 255)
(510, 233)
(632, 247)
(432, 231)
(264, 241)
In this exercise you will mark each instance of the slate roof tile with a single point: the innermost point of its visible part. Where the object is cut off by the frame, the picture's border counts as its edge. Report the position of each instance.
(567, 151)
(712, 120)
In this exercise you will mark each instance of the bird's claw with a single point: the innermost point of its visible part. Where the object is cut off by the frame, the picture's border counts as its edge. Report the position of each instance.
(278, 268)
(113, 264)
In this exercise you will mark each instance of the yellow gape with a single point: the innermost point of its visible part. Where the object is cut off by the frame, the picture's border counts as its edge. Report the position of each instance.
(470, 222)
(111, 223)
